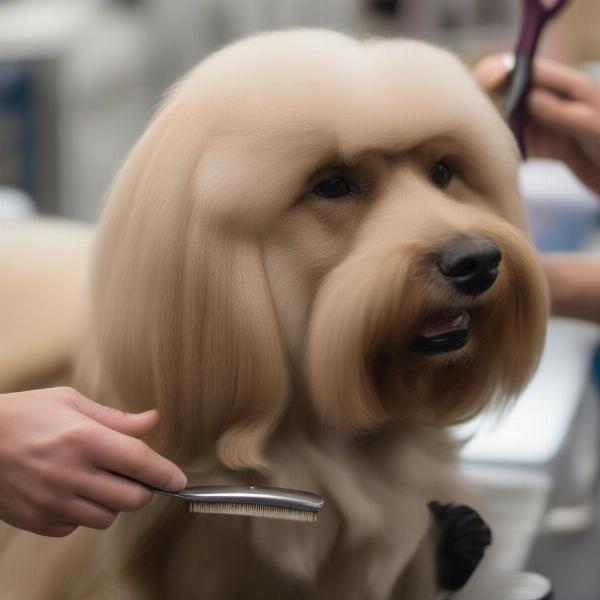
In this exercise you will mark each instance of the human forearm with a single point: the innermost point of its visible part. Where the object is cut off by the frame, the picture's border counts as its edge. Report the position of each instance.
(574, 287)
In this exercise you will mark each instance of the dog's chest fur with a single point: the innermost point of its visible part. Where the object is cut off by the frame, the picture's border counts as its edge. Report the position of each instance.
(372, 541)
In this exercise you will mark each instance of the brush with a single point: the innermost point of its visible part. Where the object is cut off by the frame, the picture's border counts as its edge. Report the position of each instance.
(250, 501)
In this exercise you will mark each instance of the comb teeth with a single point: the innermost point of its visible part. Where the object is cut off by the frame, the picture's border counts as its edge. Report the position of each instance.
(252, 510)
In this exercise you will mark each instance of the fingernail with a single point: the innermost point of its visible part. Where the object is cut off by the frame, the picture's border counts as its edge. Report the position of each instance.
(147, 412)
(508, 60)
(177, 482)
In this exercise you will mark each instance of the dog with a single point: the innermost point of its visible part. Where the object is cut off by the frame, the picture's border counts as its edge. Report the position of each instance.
(41, 275)
(312, 263)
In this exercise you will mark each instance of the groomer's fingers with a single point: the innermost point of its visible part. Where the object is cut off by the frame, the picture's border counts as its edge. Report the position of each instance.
(57, 530)
(132, 458)
(27, 516)
(545, 142)
(567, 115)
(565, 81)
(112, 491)
(137, 425)
(87, 513)
(491, 72)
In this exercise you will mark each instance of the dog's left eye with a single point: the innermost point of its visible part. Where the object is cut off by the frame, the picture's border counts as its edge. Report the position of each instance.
(441, 174)
(337, 186)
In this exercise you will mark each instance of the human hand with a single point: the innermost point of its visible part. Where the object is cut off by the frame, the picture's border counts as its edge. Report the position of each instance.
(61, 457)
(564, 114)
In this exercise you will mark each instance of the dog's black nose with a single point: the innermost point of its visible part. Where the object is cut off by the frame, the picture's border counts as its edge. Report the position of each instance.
(471, 265)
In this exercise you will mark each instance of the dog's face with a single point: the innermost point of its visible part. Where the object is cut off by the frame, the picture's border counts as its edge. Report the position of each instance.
(309, 209)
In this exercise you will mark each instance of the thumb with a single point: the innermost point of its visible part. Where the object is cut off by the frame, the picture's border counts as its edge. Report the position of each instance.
(492, 71)
(133, 424)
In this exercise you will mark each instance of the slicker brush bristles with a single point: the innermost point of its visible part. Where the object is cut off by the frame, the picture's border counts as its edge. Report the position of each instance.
(252, 510)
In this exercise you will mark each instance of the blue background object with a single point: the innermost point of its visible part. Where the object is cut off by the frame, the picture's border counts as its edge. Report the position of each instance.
(561, 228)
(596, 368)
(17, 128)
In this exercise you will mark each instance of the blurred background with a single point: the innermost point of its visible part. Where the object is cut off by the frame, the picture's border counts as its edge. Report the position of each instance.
(79, 81)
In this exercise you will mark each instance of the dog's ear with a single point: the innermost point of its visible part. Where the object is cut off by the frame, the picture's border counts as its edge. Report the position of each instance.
(182, 317)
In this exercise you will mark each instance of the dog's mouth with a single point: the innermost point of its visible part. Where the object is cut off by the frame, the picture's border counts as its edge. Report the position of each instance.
(443, 333)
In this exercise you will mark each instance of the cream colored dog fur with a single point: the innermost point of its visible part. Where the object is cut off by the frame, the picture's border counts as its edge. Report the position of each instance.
(42, 266)
(272, 325)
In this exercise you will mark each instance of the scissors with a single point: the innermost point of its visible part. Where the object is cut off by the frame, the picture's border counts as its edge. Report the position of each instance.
(536, 13)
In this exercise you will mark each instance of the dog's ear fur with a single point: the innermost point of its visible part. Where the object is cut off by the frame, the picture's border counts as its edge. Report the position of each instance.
(182, 317)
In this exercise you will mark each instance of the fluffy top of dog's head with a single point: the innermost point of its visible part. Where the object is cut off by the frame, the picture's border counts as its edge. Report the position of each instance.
(225, 289)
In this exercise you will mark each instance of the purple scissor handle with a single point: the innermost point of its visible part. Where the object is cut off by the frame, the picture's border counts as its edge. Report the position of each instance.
(536, 14)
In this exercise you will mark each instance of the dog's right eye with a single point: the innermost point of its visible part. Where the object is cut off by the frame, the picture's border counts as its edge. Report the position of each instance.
(337, 186)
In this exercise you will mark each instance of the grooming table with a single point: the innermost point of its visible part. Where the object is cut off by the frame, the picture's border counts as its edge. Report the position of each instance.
(536, 468)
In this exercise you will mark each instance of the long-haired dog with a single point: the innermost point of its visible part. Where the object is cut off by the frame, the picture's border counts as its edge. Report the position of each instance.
(313, 261)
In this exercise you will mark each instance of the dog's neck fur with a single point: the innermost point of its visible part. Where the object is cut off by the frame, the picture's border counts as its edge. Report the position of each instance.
(378, 528)
(376, 485)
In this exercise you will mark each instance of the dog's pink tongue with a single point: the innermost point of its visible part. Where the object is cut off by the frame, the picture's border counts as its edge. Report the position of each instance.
(442, 325)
